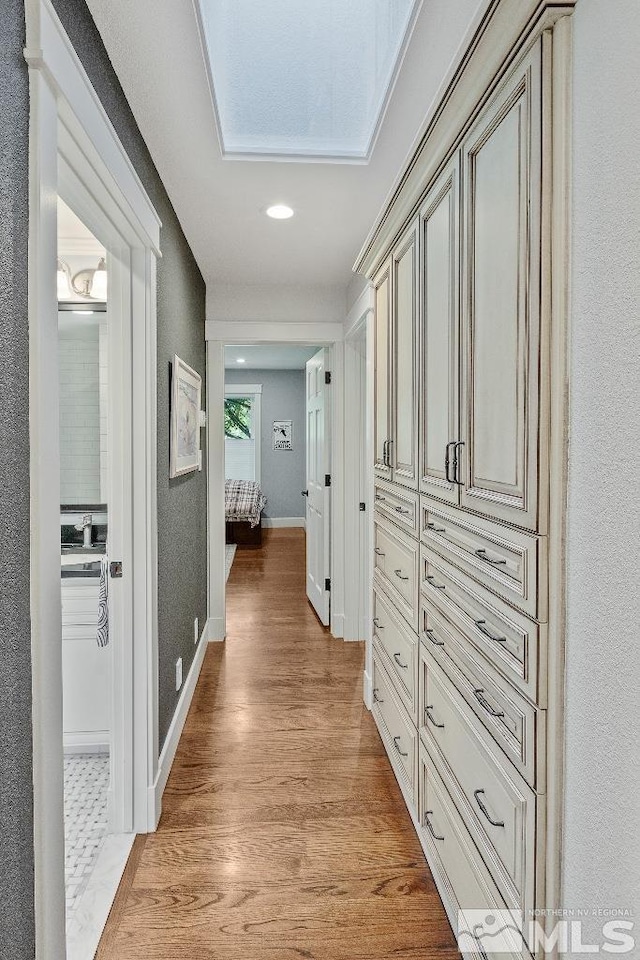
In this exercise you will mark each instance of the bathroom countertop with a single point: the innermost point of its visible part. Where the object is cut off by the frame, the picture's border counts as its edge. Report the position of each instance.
(75, 565)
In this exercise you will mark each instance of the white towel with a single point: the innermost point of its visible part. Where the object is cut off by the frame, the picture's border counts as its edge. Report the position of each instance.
(103, 605)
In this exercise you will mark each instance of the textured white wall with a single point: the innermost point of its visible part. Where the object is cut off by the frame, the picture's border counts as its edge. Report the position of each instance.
(276, 303)
(602, 825)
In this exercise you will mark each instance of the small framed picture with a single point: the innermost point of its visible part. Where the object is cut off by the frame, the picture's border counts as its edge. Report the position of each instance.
(283, 434)
(186, 392)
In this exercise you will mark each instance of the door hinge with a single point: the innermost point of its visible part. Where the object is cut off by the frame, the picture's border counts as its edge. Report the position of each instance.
(327, 583)
(362, 506)
(327, 376)
(327, 479)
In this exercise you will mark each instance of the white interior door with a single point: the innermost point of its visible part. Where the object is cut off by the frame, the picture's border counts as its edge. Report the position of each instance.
(318, 490)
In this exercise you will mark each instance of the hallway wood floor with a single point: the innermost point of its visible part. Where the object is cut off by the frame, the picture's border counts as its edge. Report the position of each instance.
(283, 833)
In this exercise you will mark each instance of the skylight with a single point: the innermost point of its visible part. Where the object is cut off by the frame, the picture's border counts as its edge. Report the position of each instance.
(303, 77)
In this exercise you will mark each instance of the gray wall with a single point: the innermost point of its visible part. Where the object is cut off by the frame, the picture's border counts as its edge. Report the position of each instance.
(182, 503)
(602, 805)
(283, 472)
(16, 796)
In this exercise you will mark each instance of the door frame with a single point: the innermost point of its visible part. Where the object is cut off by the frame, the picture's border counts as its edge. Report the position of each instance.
(75, 152)
(358, 454)
(220, 333)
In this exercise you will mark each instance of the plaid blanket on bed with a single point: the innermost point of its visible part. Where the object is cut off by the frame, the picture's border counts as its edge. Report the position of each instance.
(243, 500)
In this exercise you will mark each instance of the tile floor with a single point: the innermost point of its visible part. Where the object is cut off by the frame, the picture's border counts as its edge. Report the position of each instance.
(86, 784)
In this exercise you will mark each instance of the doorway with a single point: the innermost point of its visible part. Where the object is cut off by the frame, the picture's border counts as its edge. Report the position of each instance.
(229, 356)
(277, 466)
(75, 155)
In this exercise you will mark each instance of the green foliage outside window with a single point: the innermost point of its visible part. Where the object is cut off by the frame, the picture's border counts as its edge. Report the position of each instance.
(237, 418)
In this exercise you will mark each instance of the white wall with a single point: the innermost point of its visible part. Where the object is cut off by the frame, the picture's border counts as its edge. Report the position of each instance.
(602, 816)
(276, 303)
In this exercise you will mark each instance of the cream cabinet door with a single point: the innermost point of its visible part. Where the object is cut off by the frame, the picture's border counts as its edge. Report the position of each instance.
(440, 326)
(382, 375)
(501, 354)
(404, 409)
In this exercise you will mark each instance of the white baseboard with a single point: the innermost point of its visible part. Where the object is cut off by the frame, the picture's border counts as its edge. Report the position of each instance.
(215, 629)
(91, 741)
(283, 522)
(367, 690)
(352, 629)
(177, 725)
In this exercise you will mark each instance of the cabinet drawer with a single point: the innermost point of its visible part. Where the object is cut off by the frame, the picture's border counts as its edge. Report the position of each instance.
(398, 505)
(498, 807)
(396, 561)
(515, 724)
(398, 646)
(510, 563)
(398, 733)
(454, 858)
(508, 639)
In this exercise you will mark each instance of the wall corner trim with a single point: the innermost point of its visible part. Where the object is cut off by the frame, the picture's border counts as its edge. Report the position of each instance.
(216, 629)
(172, 741)
(367, 690)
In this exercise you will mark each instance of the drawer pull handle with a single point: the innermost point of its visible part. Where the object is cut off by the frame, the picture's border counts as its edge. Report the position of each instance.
(379, 498)
(396, 742)
(438, 586)
(478, 694)
(429, 825)
(480, 624)
(376, 698)
(399, 575)
(435, 529)
(482, 553)
(378, 552)
(427, 713)
(377, 624)
(494, 823)
(396, 657)
(437, 643)
(402, 510)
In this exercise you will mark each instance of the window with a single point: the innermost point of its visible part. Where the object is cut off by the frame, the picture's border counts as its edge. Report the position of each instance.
(242, 431)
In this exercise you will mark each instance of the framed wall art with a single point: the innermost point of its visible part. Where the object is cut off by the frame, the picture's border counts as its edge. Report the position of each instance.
(283, 434)
(186, 392)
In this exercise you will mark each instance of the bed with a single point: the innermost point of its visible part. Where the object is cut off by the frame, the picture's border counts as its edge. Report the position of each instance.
(243, 505)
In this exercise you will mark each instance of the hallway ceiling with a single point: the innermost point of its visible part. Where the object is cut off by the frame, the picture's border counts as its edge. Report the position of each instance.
(219, 200)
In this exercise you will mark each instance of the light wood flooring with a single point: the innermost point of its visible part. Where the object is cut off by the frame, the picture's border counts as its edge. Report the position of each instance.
(283, 832)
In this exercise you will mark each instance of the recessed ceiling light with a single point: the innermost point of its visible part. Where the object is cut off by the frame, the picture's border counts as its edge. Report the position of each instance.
(279, 211)
(241, 360)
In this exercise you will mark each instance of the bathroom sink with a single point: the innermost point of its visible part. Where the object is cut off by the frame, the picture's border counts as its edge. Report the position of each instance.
(76, 549)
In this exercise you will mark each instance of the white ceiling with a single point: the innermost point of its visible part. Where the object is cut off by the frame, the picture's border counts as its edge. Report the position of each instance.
(220, 201)
(73, 237)
(268, 357)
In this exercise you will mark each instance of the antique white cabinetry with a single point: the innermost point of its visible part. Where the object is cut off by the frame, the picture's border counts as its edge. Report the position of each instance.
(469, 439)
(396, 352)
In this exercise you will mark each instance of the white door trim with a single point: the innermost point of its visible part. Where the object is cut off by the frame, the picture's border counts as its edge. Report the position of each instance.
(357, 438)
(75, 150)
(218, 335)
